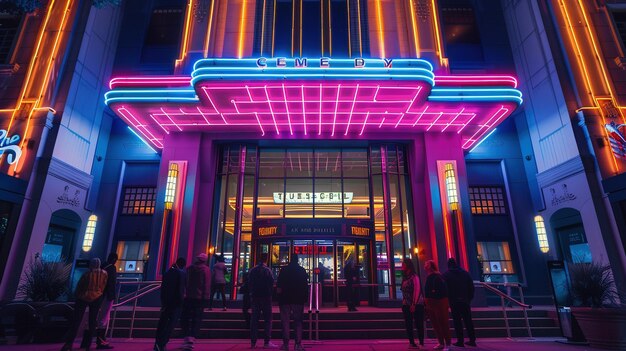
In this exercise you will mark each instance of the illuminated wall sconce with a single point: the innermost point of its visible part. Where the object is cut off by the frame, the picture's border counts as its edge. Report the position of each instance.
(451, 187)
(542, 236)
(211, 250)
(89, 233)
(170, 188)
(416, 250)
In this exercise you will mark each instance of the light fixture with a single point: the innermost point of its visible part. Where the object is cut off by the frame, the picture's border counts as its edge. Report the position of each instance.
(416, 250)
(542, 236)
(89, 232)
(170, 188)
(451, 188)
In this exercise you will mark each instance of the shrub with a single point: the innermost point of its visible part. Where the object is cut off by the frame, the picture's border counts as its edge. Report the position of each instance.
(45, 280)
(593, 285)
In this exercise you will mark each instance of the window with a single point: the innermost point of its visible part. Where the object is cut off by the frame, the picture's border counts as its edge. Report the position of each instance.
(133, 256)
(139, 201)
(495, 257)
(163, 36)
(487, 200)
(9, 25)
(619, 17)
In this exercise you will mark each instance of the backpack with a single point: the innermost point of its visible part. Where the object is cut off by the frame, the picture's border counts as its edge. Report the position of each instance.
(91, 285)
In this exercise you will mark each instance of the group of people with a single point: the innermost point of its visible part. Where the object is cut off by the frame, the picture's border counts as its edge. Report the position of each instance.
(452, 290)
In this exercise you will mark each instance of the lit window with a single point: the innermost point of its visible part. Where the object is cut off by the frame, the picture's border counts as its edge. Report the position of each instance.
(542, 235)
(451, 188)
(139, 201)
(487, 200)
(133, 256)
(89, 233)
(495, 257)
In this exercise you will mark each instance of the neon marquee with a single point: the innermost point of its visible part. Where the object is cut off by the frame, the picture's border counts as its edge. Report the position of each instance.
(325, 197)
(314, 98)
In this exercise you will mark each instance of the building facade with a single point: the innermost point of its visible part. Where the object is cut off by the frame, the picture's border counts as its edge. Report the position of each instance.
(360, 130)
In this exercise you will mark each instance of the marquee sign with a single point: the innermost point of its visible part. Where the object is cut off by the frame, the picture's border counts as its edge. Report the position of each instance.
(9, 147)
(325, 197)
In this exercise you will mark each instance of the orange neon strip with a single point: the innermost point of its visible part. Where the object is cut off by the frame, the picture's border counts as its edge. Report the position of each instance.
(415, 33)
(242, 27)
(358, 10)
(349, 29)
(208, 31)
(293, 24)
(301, 9)
(379, 25)
(435, 12)
(263, 28)
(274, 28)
(183, 49)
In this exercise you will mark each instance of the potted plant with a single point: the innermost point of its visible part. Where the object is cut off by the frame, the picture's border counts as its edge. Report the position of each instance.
(597, 306)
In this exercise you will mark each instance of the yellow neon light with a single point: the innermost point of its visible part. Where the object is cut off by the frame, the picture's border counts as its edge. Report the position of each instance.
(242, 27)
(183, 49)
(435, 13)
(208, 31)
(379, 25)
(415, 33)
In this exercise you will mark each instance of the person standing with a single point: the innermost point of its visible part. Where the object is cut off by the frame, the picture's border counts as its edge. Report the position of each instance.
(412, 303)
(436, 304)
(244, 289)
(292, 295)
(351, 274)
(107, 302)
(197, 295)
(88, 293)
(460, 293)
(261, 285)
(219, 281)
(172, 296)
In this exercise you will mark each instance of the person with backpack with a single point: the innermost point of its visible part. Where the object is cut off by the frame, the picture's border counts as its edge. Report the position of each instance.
(436, 304)
(292, 291)
(219, 281)
(107, 302)
(412, 303)
(460, 293)
(261, 286)
(197, 296)
(172, 296)
(88, 293)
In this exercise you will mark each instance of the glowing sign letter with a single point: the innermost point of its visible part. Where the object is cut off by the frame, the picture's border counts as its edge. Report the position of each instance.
(325, 62)
(301, 62)
(359, 63)
(388, 63)
(281, 62)
(261, 62)
(8, 146)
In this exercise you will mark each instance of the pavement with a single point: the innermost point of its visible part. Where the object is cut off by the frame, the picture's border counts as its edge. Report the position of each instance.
(500, 344)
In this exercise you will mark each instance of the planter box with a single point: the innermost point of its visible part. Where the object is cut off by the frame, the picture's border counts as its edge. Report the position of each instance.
(603, 327)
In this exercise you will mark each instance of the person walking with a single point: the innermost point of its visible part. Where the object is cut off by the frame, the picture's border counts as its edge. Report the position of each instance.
(107, 303)
(436, 304)
(88, 293)
(351, 274)
(197, 296)
(172, 296)
(261, 286)
(292, 286)
(412, 303)
(460, 294)
(219, 281)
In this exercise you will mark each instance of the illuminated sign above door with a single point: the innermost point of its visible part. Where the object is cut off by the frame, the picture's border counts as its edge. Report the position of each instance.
(8, 146)
(325, 197)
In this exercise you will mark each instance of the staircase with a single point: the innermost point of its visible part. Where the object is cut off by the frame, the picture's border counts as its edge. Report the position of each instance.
(336, 323)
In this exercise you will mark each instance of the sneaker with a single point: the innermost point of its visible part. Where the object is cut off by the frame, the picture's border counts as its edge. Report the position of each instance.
(284, 347)
(299, 347)
(270, 345)
(459, 344)
(414, 346)
(471, 343)
(438, 347)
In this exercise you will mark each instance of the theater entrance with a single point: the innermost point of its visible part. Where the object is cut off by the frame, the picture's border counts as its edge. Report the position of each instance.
(324, 261)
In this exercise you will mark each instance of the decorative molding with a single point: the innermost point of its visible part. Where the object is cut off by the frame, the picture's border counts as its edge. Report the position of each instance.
(66, 199)
(561, 196)
(64, 171)
(560, 172)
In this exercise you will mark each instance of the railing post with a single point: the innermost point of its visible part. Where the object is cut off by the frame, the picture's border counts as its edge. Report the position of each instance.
(117, 300)
(521, 295)
(132, 321)
(506, 319)
(310, 311)
(317, 311)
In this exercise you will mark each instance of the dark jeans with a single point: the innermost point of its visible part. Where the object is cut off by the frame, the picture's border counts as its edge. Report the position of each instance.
(261, 305)
(246, 309)
(219, 289)
(79, 311)
(286, 313)
(167, 322)
(462, 314)
(353, 296)
(418, 318)
(191, 317)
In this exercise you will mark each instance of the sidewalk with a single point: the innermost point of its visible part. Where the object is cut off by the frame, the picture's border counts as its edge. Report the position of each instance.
(539, 344)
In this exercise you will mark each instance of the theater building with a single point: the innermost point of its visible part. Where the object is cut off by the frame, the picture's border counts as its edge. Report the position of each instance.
(364, 130)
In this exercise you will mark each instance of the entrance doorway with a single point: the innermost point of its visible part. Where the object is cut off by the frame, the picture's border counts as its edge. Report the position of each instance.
(324, 261)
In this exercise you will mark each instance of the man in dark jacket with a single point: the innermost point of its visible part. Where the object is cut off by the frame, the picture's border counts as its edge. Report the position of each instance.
(107, 302)
(172, 295)
(261, 286)
(292, 295)
(197, 297)
(351, 274)
(460, 293)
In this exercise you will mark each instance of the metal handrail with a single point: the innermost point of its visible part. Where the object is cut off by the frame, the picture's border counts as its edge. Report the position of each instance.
(150, 286)
(317, 311)
(492, 288)
(311, 311)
